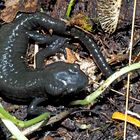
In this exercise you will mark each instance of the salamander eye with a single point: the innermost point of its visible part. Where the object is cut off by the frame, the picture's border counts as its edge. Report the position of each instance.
(76, 66)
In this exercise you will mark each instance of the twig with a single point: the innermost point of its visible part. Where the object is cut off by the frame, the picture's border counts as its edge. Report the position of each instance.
(128, 78)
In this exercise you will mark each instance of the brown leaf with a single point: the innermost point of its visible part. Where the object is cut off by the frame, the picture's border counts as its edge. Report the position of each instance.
(15, 6)
(82, 21)
(71, 58)
(48, 138)
(29, 6)
(9, 13)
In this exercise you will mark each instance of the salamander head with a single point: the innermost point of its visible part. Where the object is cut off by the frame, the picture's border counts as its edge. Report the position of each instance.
(64, 78)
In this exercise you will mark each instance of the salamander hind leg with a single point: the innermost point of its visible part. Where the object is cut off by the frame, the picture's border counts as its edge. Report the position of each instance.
(53, 48)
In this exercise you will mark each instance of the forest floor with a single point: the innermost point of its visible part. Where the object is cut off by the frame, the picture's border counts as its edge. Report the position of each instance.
(93, 122)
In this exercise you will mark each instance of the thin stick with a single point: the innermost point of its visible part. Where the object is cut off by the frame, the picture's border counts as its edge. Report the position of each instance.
(128, 78)
(120, 93)
(36, 49)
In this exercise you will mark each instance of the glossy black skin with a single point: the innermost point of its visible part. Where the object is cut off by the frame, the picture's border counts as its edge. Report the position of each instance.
(87, 40)
(136, 49)
(17, 80)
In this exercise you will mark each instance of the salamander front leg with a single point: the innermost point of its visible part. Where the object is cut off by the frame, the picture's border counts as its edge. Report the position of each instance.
(41, 38)
(34, 109)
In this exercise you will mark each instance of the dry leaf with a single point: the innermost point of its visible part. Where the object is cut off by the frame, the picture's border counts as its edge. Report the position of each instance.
(71, 58)
(108, 14)
(29, 6)
(82, 21)
(15, 6)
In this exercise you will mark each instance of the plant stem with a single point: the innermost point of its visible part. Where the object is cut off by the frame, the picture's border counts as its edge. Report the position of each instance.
(69, 8)
(4, 114)
(91, 98)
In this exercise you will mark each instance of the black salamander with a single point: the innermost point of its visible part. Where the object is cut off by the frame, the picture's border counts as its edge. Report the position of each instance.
(19, 82)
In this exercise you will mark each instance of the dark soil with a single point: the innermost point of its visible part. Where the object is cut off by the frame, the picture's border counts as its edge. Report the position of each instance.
(93, 122)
